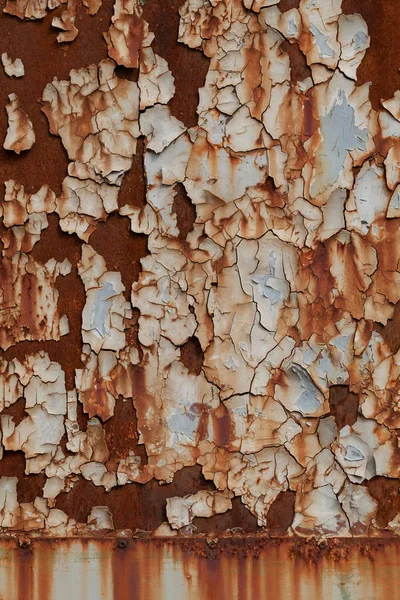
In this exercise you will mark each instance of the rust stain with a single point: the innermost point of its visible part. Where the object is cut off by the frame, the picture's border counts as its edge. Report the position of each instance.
(234, 340)
(378, 66)
(240, 569)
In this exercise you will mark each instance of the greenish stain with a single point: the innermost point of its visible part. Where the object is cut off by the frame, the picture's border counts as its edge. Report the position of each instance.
(344, 582)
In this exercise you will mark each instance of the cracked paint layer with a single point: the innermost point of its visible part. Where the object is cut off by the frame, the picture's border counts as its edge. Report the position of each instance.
(13, 68)
(20, 133)
(182, 511)
(282, 280)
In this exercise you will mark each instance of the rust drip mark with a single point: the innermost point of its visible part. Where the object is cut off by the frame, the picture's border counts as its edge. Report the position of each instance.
(126, 574)
(352, 285)
(44, 576)
(29, 297)
(310, 122)
(253, 88)
(343, 405)
(245, 569)
(221, 420)
(25, 572)
(96, 400)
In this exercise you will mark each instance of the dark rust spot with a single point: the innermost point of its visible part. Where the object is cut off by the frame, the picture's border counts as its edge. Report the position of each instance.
(126, 73)
(192, 356)
(133, 188)
(343, 405)
(185, 212)
(132, 331)
(24, 543)
(285, 5)
(122, 544)
(221, 420)
(310, 122)
(281, 512)
(121, 248)
(236, 518)
(28, 486)
(386, 492)
(299, 70)
(121, 434)
(391, 331)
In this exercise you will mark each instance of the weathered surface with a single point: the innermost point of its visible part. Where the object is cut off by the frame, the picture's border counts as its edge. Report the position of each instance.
(20, 133)
(13, 68)
(119, 568)
(232, 277)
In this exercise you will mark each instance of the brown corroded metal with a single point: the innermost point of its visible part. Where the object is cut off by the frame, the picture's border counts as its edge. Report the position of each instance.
(120, 570)
(200, 295)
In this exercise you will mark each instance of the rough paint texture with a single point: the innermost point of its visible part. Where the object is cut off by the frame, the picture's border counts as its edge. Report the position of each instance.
(240, 330)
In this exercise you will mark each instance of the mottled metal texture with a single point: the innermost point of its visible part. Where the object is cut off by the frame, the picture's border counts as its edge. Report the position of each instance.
(248, 570)
(199, 294)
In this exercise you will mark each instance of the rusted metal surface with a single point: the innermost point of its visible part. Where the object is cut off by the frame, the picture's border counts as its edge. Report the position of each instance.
(111, 570)
(199, 294)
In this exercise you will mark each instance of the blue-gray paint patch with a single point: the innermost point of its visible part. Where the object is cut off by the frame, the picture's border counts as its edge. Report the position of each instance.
(353, 454)
(267, 290)
(360, 40)
(101, 306)
(339, 136)
(185, 422)
(311, 398)
(325, 51)
(292, 27)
